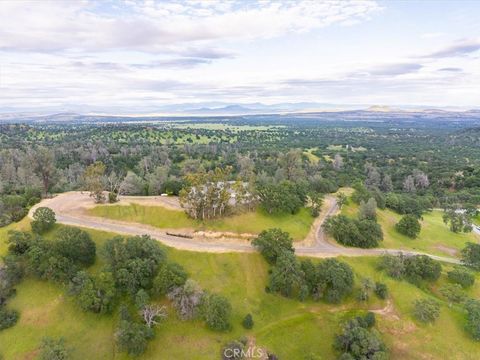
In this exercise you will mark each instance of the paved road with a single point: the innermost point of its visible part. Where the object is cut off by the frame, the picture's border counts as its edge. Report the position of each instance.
(70, 210)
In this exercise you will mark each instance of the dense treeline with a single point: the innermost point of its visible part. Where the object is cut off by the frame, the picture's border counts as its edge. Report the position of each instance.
(408, 167)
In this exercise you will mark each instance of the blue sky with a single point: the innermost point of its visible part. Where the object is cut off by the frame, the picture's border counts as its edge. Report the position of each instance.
(137, 56)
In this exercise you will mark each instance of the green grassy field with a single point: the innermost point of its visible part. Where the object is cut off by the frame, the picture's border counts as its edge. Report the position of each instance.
(288, 328)
(297, 225)
(434, 238)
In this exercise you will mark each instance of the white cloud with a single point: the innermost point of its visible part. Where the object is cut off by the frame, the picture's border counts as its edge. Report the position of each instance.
(154, 26)
(143, 54)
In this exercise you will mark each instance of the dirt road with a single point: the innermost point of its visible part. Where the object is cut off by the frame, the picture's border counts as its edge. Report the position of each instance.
(70, 209)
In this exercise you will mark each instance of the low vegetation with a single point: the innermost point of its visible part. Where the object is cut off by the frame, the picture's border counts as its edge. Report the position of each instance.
(253, 222)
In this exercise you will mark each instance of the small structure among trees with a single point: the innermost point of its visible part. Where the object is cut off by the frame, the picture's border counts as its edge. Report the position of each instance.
(210, 195)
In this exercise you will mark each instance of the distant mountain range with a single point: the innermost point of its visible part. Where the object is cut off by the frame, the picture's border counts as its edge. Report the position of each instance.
(297, 110)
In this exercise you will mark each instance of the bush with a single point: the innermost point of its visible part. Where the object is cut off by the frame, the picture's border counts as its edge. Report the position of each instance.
(285, 197)
(247, 321)
(112, 197)
(393, 265)
(359, 233)
(453, 293)
(335, 280)
(358, 341)
(43, 220)
(169, 276)
(134, 261)
(473, 318)
(19, 242)
(368, 210)
(132, 337)
(381, 290)
(426, 310)
(409, 226)
(415, 268)
(52, 349)
(8, 318)
(286, 276)
(422, 267)
(461, 277)
(271, 243)
(216, 311)
(471, 256)
(186, 299)
(76, 245)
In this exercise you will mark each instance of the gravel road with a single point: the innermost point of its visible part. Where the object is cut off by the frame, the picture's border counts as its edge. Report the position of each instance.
(70, 210)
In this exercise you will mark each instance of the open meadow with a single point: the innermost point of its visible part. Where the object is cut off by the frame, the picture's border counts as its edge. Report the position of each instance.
(289, 328)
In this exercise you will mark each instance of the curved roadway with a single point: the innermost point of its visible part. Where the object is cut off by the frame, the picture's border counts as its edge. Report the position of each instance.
(70, 210)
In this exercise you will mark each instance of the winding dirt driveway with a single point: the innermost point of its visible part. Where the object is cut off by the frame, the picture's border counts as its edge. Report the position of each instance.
(70, 209)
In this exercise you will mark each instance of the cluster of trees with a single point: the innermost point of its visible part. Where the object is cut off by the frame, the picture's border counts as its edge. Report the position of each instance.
(471, 255)
(284, 197)
(10, 275)
(137, 270)
(364, 233)
(360, 340)
(368, 286)
(459, 221)
(56, 260)
(208, 194)
(140, 159)
(14, 207)
(419, 269)
(414, 268)
(330, 279)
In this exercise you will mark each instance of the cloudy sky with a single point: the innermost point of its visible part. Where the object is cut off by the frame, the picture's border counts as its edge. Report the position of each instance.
(137, 56)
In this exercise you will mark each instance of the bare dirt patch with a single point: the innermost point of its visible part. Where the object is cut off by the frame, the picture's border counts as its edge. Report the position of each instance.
(447, 250)
(388, 311)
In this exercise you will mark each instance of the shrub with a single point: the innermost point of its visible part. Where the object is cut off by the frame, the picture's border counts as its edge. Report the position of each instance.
(187, 299)
(366, 288)
(422, 267)
(409, 226)
(43, 220)
(76, 245)
(53, 349)
(19, 242)
(169, 276)
(393, 265)
(426, 310)
(248, 321)
(461, 277)
(358, 341)
(132, 337)
(271, 243)
(368, 210)
(216, 311)
(359, 233)
(415, 268)
(473, 318)
(286, 276)
(381, 290)
(471, 255)
(8, 318)
(453, 293)
(335, 280)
